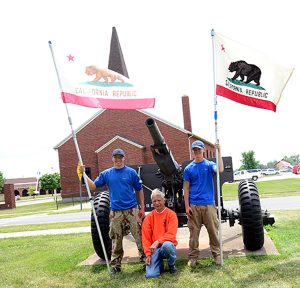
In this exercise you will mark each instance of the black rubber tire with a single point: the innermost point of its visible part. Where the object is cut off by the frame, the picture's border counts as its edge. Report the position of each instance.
(182, 220)
(101, 205)
(251, 215)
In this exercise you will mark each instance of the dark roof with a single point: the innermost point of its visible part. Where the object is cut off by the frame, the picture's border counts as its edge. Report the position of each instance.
(26, 180)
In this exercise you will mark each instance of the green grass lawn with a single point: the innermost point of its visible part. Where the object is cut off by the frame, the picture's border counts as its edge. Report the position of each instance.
(34, 207)
(46, 207)
(39, 197)
(53, 261)
(266, 189)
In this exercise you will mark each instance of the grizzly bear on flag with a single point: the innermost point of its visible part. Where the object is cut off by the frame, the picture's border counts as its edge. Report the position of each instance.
(242, 69)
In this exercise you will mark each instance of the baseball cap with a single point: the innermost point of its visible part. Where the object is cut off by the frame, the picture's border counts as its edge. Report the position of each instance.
(118, 151)
(198, 144)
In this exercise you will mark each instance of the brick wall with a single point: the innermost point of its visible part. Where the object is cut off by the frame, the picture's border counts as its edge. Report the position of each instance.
(129, 124)
(9, 197)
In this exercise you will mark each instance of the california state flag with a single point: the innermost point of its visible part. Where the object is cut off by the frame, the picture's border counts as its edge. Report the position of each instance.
(247, 76)
(90, 85)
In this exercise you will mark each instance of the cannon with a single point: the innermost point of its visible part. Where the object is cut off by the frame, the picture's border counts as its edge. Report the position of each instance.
(169, 171)
(167, 175)
(249, 215)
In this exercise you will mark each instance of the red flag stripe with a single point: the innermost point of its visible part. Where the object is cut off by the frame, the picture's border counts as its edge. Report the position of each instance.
(108, 103)
(246, 100)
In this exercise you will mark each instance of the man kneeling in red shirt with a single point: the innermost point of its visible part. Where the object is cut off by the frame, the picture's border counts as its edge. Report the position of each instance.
(159, 236)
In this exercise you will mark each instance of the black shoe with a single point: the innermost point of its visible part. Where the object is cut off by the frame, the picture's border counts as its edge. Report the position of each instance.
(115, 270)
(173, 269)
(142, 258)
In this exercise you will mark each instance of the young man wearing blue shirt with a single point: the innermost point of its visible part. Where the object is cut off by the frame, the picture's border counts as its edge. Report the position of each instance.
(198, 187)
(123, 183)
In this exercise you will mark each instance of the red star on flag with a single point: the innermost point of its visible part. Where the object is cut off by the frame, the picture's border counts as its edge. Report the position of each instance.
(70, 57)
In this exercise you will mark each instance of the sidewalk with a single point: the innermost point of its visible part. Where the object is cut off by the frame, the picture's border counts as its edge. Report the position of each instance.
(46, 232)
(49, 216)
(77, 206)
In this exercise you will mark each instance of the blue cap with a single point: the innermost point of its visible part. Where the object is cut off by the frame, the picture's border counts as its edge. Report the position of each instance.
(198, 144)
(118, 151)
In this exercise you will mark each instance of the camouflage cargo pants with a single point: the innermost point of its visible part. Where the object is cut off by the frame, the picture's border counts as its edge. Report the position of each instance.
(121, 223)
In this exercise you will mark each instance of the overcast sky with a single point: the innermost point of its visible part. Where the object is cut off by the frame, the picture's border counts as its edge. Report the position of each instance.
(168, 52)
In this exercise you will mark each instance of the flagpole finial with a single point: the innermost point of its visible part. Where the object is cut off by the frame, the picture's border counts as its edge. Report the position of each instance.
(212, 32)
(49, 42)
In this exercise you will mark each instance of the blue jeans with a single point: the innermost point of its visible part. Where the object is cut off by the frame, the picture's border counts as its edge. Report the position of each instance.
(166, 251)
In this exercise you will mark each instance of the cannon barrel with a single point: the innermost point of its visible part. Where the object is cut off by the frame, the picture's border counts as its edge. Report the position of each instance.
(160, 150)
(158, 139)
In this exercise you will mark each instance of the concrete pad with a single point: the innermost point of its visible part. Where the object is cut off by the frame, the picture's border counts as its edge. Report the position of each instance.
(232, 245)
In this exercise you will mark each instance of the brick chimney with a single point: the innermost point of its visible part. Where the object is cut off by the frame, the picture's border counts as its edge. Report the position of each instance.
(186, 113)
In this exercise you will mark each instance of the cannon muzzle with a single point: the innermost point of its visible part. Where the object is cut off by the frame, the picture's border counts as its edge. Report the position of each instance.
(158, 139)
(160, 150)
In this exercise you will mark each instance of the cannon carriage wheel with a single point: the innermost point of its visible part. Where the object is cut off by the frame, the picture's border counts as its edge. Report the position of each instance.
(250, 215)
(101, 205)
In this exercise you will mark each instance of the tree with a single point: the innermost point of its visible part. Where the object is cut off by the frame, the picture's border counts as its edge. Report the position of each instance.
(294, 159)
(248, 161)
(263, 166)
(2, 180)
(271, 164)
(32, 192)
(50, 182)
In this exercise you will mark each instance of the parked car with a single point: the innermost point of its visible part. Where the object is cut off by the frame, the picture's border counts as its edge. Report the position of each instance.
(270, 171)
(296, 169)
(286, 169)
(251, 174)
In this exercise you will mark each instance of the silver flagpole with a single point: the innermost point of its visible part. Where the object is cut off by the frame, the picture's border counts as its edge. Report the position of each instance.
(80, 161)
(217, 151)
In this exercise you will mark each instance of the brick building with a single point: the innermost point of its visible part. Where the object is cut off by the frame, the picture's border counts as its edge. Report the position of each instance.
(126, 129)
(22, 185)
(284, 165)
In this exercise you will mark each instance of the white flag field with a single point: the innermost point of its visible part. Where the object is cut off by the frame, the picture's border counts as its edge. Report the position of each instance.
(247, 76)
(84, 82)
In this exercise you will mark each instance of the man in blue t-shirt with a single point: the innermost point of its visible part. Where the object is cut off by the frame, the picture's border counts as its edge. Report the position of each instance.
(122, 182)
(198, 187)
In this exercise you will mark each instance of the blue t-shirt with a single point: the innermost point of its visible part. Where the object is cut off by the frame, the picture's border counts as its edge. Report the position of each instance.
(122, 184)
(200, 176)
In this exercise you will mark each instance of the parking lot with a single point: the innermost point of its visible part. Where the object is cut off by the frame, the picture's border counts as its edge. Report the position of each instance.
(285, 175)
